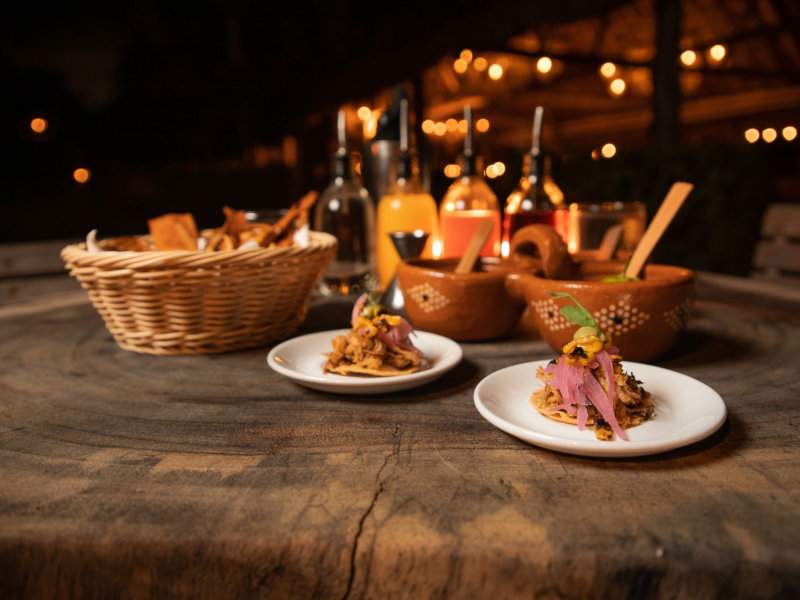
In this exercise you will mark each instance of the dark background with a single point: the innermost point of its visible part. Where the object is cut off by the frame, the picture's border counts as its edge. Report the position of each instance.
(166, 106)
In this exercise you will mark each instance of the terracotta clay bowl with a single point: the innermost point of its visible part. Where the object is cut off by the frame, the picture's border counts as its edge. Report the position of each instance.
(644, 318)
(465, 307)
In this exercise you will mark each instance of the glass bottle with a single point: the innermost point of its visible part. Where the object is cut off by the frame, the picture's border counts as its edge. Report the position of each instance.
(345, 210)
(405, 207)
(467, 202)
(536, 198)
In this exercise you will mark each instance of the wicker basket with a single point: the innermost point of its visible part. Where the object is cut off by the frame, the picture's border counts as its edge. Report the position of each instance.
(200, 303)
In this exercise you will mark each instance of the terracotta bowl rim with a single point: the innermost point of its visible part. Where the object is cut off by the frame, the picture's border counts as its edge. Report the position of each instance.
(483, 276)
(674, 276)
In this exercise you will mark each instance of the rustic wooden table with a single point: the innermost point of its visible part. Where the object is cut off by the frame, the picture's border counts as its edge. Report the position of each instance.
(207, 477)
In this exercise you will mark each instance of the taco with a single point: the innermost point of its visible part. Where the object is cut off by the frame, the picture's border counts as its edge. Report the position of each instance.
(378, 344)
(586, 385)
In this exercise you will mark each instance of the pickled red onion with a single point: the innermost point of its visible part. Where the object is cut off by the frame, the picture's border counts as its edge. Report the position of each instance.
(357, 308)
(578, 387)
(608, 370)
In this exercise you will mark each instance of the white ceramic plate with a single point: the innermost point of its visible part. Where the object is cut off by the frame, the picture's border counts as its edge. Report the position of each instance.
(686, 411)
(301, 360)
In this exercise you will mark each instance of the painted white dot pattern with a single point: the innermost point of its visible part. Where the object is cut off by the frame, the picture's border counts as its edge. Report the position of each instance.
(620, 318)
(428, 297)
(678, 316)
(549, 314)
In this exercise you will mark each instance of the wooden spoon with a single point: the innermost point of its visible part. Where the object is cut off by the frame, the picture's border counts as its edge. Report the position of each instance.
(666, 212)
(467, 262)
(609, 244)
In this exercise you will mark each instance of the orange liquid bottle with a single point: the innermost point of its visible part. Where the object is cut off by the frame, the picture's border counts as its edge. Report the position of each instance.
(467, 202)
(406, 207)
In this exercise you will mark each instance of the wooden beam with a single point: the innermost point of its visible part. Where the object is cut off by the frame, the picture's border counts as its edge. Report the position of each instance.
(455, 107)
(700, 110)
(666, 85)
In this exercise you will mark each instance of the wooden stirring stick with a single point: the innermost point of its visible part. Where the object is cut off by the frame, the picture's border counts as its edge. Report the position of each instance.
(666, 212)
(467, 261)
(609, 244)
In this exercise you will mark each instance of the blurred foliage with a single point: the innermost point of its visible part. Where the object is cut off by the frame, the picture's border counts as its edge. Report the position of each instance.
(718, 226)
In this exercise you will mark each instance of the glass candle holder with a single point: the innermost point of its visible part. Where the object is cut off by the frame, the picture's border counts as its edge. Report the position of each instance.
(588, 223)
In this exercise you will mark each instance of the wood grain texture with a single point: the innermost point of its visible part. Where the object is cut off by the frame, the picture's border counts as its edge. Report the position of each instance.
(212, 477)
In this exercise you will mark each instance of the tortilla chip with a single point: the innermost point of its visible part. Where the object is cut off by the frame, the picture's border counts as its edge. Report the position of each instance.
(173, 232)
(563, 417)
(383, 372)
(235, 221)
(226, 243)
(125, 244)
(256, 232)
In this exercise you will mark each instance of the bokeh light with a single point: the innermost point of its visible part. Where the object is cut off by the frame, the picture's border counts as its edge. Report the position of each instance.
(452, 170)
(81, 174)
(717, 53)
(689, 58)
(608, 150)
(752, 135)
(617, 86)
(608, 70)
(495, 71)
(39, 125)
(544, 65)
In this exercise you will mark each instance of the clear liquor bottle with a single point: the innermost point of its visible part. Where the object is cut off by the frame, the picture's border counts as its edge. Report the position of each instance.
(346, 211)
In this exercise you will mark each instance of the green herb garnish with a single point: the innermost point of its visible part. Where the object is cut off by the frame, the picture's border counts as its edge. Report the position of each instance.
(620, 277)
(579, 315)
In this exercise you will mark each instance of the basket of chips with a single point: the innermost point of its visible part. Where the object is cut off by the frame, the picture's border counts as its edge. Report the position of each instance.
(180, 291)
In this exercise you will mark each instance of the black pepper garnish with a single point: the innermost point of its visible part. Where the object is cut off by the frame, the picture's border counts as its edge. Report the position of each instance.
(578, 352)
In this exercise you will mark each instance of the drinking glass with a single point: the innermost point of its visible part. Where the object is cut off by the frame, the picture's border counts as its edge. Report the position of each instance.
(588, 223)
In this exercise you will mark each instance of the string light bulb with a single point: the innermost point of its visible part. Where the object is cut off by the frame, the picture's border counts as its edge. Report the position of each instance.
(480, 64)
(769, 135)
(608, 150)
(752, 135)
(608, 70)
(495, 71)
(428, 126)
(544, 65)
(452, 125)
(452, 170)
(81, 175)
(789, 133)
(617, 86)
(439, 129)
(482, 125)
(466, 55)
(717, 53)
(460, 65)
(689, 57)
(38, 125)
(363, 113)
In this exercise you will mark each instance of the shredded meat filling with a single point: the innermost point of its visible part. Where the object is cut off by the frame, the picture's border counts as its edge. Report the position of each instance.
(365, 351)
(633, 407)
